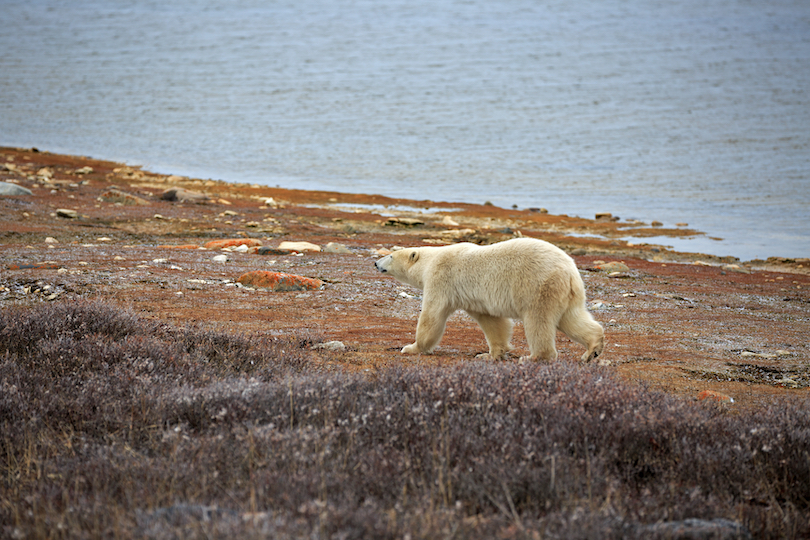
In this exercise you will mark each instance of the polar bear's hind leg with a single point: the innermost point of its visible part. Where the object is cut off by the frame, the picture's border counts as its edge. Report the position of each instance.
(578, 325)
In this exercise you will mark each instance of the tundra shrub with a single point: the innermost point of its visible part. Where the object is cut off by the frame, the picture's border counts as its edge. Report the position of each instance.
(112, 425)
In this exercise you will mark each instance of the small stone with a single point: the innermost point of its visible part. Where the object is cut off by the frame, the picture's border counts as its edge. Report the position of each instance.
(51, 240)
(715, 396)
(45, 172)
(83, 170)
(334, 247)
(299, 246)
(241, 249)
(579, 252)
(67, 213)
(682, 224)
(279, 282)
(229, 213)
(604, 215)
(7, 188)
(656, 224)
(232, 242)
(330, 346)
(220, 258)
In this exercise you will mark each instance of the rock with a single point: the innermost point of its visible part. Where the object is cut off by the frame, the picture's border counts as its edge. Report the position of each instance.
(750, 354)
(334, 247)
(693, 529)
(736, 268)
(404, 222)
(538, 210)
(182, 246)
(579, 252)
(7, 188)
(447, 220)
(330, 346)
(279, 282)
(220, 258)
(83, 170)
(456, 233)
(179, 194)
(604, 215)
(269, 250)
(45, 172)
(67, 213)
(232, 242)
(51, 240)
(681, 224)
(656, 224)
(613, 267)
(715, 396)
(115, 196)
(299, 246)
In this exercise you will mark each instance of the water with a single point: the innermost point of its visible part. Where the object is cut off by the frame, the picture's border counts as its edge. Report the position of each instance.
(678, 111)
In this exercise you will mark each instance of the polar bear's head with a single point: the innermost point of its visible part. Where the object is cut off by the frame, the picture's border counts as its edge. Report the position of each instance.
(403, 265)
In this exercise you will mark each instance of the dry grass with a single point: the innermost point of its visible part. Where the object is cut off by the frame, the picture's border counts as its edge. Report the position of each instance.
(117, 426)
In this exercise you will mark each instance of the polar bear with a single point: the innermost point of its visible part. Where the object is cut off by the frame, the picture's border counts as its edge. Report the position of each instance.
(522, 278)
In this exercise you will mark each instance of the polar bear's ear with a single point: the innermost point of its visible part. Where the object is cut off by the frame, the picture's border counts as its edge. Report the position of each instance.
(414, 256)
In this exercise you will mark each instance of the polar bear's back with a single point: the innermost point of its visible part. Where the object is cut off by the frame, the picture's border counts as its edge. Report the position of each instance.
(506, 279)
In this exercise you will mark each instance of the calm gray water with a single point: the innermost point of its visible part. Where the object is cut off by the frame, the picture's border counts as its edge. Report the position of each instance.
(680, 111)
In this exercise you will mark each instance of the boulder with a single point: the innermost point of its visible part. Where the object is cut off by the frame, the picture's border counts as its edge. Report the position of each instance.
(7, 188)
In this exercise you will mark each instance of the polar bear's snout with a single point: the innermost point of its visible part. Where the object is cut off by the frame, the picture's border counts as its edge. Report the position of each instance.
(383, 264)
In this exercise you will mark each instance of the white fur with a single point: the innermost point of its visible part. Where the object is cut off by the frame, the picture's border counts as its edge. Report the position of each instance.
(522, 278)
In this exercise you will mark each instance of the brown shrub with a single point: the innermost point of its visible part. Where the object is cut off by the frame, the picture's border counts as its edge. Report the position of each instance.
(113, 425)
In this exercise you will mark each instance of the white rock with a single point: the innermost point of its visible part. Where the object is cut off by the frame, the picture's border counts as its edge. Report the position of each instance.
(447, 220)
(299, 246)
(51, 240)
(241, 248)
(220, 258)
(330, 346)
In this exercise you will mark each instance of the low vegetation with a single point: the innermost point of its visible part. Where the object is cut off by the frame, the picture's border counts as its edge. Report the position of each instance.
(112, 425)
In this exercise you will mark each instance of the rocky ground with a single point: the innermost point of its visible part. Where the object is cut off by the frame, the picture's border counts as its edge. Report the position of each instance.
(692, 325)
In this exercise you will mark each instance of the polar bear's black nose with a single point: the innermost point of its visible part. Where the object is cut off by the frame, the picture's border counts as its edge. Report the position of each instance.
(378, 267)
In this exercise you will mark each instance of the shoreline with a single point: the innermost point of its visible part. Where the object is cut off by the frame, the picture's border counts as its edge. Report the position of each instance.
(680, 322)
(604, 234)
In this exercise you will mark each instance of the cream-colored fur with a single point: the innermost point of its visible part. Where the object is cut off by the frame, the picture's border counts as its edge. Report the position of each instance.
(522, 278)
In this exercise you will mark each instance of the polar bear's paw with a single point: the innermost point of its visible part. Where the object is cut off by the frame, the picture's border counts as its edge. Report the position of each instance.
(410, 349)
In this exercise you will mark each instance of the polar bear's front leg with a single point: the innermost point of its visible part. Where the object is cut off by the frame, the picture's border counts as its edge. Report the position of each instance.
(498, 331)
(429, 329)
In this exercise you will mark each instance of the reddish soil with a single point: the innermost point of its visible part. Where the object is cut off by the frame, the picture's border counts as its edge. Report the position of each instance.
(683, 323)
